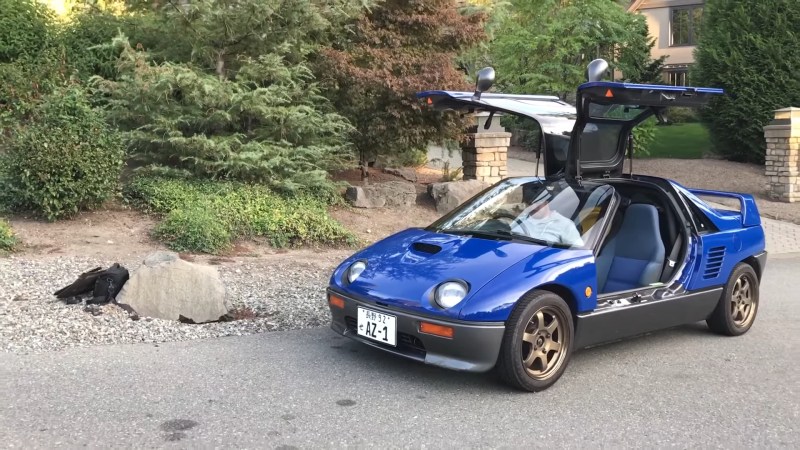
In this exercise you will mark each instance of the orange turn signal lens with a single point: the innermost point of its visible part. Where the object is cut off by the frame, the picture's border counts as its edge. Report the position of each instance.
(336, 301)
(436, 330)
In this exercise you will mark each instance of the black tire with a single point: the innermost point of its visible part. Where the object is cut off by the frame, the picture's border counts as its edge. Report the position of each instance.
(533, 338)
(737, 308)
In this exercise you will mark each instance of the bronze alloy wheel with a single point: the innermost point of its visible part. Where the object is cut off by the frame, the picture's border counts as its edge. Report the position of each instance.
(738, 304)
(542, 343)
(537, 342)
(742, 301)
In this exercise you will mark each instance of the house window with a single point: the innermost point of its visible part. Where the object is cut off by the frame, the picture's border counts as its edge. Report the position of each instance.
(685, 23)
(676, 77)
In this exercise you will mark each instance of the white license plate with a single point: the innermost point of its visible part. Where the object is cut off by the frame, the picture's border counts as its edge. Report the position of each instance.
(377, 326)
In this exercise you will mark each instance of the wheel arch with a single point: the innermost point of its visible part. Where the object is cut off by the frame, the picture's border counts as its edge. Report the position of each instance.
(563, 292)
(753, 262)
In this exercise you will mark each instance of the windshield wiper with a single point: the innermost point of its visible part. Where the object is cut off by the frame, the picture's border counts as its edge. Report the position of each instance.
(502, 235)
(478, 233)
(523, 237)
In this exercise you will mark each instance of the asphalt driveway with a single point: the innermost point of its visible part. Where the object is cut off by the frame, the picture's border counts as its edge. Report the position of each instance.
(683, 387)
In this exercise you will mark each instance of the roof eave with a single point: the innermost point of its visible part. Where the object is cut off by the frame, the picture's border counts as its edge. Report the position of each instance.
(635, 5)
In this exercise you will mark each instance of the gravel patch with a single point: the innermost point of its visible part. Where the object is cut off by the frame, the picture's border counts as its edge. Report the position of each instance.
(283, 293)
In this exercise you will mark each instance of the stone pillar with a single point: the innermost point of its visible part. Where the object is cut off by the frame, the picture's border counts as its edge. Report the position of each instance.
(783, 155)
(485, 156)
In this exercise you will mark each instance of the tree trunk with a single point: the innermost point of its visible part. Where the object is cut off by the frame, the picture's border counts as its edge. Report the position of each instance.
(364, 166)
(221, 65)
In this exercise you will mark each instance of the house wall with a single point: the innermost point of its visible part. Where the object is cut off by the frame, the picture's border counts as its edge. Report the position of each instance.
(658, 14)
(658, 21)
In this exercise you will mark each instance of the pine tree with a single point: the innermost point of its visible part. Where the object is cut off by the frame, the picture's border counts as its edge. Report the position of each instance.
(243, 104)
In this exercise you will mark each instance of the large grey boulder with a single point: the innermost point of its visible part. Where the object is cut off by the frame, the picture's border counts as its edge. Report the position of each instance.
(391, 194)
(448, 195)
(167, 287)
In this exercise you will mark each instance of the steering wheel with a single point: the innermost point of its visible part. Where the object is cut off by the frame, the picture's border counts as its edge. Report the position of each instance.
(512, 220)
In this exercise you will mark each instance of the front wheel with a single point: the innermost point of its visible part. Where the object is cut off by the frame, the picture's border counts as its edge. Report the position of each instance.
(537, 343)
(738, 306)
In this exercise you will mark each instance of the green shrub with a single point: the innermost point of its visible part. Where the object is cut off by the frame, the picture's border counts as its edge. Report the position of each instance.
(644, 135)
(206, 216)
(26, 28)
(194, 229)
(25, 82)
(87, 43)
(681, 115)
(8, 241)
(64, 160)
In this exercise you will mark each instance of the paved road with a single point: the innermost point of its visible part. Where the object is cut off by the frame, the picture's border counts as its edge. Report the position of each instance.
(682, 387)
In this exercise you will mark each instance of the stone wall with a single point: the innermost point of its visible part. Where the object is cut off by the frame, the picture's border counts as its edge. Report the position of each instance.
(783, 155)
(485, 156)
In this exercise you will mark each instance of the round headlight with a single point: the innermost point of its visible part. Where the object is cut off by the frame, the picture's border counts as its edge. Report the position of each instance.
(355, 270)
(450, 293)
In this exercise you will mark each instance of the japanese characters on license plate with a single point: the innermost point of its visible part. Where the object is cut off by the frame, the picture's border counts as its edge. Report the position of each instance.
(377, 326)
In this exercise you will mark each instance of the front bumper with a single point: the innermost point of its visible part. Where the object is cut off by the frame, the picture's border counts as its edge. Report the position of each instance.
(473, 348)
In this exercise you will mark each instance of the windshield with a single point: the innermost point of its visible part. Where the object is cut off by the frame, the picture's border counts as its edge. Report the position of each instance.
(556, 213)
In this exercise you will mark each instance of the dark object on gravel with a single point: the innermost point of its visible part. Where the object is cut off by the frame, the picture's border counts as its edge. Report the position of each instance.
(103, 284)
(83, 285)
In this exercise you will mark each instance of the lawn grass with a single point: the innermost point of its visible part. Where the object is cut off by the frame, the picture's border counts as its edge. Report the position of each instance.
(682, 141)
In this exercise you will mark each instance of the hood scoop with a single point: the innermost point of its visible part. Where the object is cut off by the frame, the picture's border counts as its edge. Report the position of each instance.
(429, 249)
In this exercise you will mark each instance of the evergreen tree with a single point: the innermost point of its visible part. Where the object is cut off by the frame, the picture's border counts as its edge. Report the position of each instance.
(243, 103)
(749, 48)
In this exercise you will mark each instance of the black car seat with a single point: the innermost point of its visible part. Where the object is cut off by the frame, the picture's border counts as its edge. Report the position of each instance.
(635, 255)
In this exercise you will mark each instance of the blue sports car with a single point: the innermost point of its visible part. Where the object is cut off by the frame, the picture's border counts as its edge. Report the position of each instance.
(533, 268)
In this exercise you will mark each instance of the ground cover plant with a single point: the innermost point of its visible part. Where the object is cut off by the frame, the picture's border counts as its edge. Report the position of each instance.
(8, 241)
(206, 216)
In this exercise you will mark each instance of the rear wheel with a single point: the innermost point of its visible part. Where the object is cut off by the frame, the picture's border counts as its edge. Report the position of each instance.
(738, 306)
(537, 343)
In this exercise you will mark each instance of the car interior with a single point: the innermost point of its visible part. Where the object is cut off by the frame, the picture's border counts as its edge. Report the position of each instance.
(644, 241)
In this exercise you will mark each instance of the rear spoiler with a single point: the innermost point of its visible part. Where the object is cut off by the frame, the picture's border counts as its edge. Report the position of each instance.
(748, 210)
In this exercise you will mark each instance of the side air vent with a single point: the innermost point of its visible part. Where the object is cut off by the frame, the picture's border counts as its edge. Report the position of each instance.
(716, 256)
(422, 247)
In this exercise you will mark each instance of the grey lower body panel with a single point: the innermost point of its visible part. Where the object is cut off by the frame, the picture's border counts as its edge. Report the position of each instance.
(614, 323)
(473, 348)
(761, 260)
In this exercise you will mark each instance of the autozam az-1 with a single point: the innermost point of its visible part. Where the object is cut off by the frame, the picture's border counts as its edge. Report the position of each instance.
(533, 268)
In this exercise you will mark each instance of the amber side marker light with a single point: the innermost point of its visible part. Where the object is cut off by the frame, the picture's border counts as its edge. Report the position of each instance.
(336, 301)
(436, 330)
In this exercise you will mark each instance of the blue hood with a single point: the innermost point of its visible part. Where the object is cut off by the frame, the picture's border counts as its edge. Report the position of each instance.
(403, 269)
